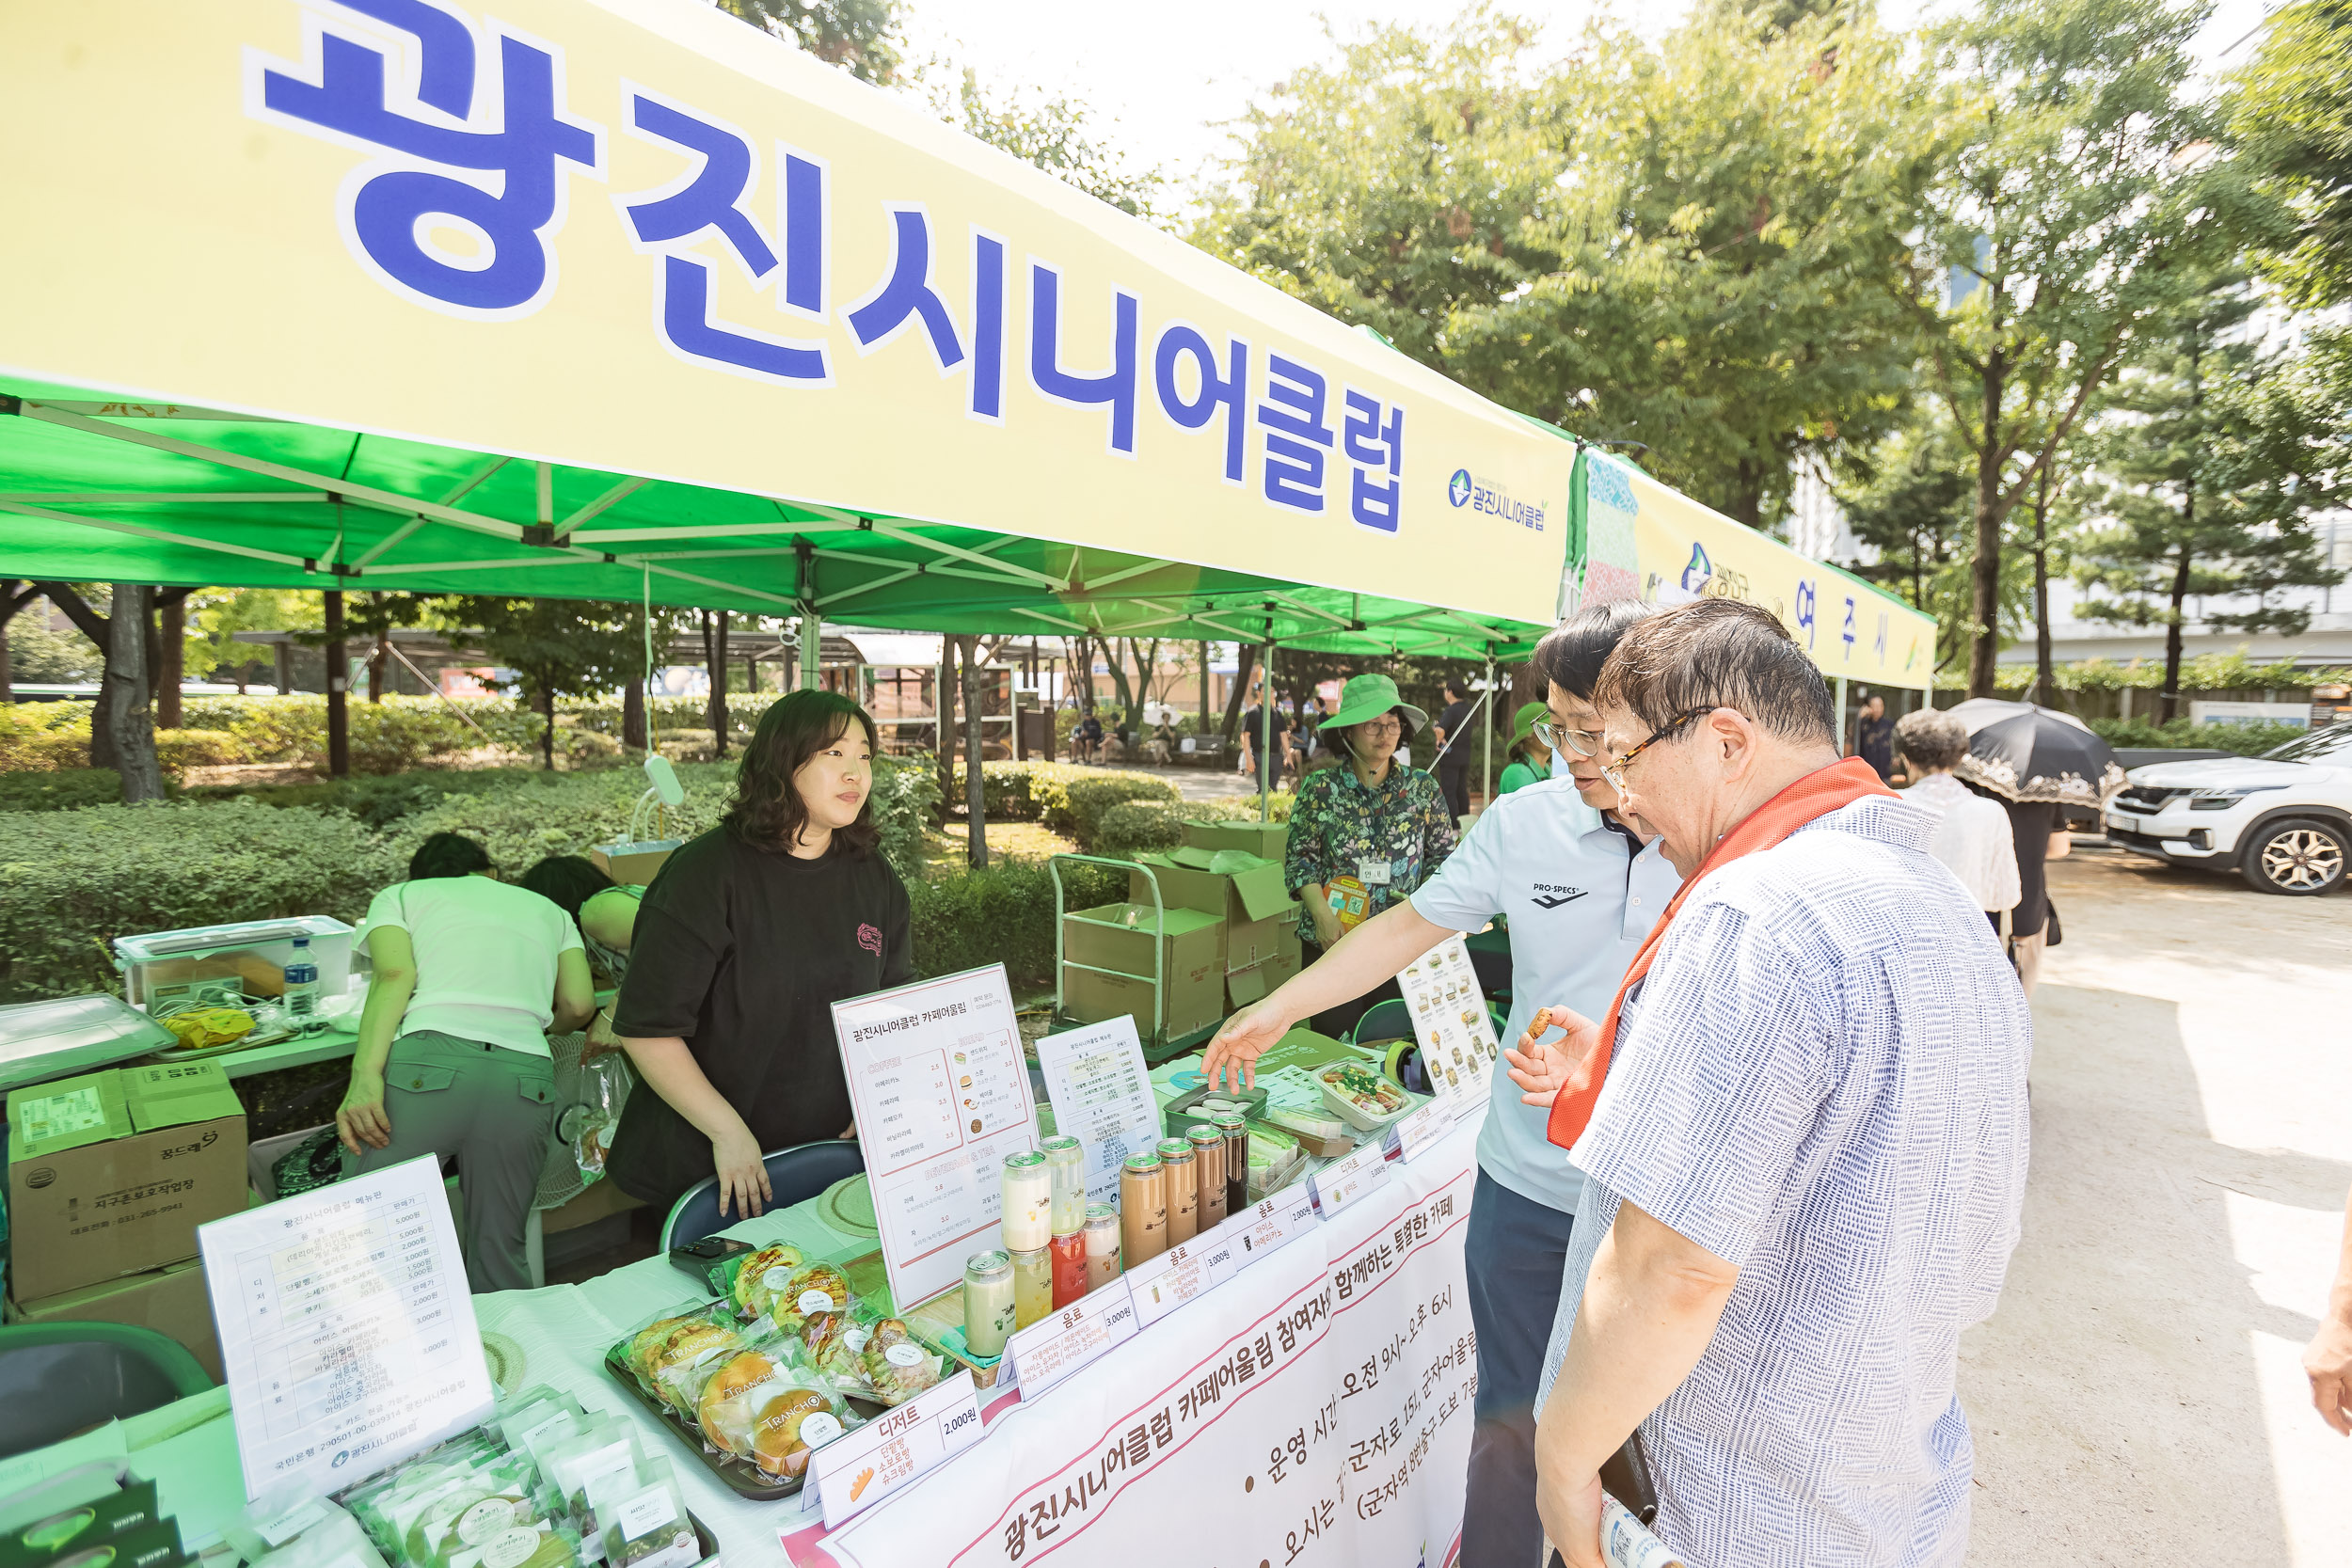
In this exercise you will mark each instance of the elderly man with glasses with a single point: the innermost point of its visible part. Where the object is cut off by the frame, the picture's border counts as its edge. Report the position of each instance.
(1580, 889)
(1802, 1124)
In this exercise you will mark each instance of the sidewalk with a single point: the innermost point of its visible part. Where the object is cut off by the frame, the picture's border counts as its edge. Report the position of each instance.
(2139, 1398)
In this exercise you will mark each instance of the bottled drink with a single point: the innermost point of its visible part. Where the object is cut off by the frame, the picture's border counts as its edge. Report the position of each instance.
(302, 987)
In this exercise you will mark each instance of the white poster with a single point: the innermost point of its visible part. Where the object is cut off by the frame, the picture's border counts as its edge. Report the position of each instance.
(346, 1329)
(942, 1094)
(1457, 1038)
(1312, 1412)
(1102, 1095)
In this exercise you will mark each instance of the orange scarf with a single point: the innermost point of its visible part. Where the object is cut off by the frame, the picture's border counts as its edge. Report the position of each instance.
(1817, 794)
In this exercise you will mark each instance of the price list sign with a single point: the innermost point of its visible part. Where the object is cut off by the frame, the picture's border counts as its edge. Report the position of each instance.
(1160, 1285)
(346, 1329)
(1051, 1348)
(942, 1094)
(1102, 1096)
(1458, 1042)
(857, 1470)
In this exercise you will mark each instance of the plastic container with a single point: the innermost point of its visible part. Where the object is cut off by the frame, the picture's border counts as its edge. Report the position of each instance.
(168, 968)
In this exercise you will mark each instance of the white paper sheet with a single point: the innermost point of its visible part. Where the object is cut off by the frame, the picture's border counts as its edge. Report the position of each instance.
(1456, 1038)
(1102, 1096)
(942, 1093)
(346, 1329)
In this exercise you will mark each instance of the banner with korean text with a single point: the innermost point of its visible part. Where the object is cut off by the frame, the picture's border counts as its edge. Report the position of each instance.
(1315, 1409)
(1646, 541)
(645, 237)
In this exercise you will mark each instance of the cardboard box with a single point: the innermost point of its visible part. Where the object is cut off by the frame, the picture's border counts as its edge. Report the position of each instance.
(1257, 981)
(172, 1301)
(1247, 892)
(1265, 839)
(633, 864)
(110, 1172)
(1106, 967)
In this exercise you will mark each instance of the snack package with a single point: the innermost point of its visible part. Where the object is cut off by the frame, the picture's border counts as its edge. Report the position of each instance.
(541, 1543)
(829, 1343)
(527, 1411)
(485, 1500)
(791, 1424)
(276, 1521)
(898, 1366)
(607, 1447)
(813, 1288)
(644, 1519)
(728, 1407)
(669, 1353)
(331, 1539)
(605, 1083)
(760, 1277)
(392, 1503)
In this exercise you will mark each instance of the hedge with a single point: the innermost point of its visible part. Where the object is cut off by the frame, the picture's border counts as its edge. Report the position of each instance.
(2230, 672)
(392, 737)
(62, 789)
(2244, 740)
(1003, 913)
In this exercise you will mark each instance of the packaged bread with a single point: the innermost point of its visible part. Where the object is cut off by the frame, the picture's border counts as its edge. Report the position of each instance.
(898, 1366)
(761, 1276)
(671, 1354)
(813, 1288)
(830, 1343)
(728, 1405)
(793, 1423)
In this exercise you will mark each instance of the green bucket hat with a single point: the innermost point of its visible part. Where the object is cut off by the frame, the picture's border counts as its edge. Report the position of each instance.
(1369, 697)
(1524, 721)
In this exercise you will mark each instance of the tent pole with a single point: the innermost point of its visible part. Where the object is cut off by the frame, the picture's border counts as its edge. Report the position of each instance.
(1265, 732)
(1841, 717)
(1486, 752)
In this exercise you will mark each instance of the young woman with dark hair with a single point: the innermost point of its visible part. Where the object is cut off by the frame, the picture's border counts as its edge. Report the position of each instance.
(605, 911)
(743, 941)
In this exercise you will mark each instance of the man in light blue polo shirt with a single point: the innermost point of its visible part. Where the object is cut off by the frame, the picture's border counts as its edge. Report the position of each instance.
(1580, 891)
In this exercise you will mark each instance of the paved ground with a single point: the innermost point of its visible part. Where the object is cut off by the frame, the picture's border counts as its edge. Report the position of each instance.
(2137, 1398)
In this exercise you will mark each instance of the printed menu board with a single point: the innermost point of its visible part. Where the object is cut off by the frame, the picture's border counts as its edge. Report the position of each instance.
(346, 1329)
(1102, 1095)
(942, 1094)
(1456, 1038)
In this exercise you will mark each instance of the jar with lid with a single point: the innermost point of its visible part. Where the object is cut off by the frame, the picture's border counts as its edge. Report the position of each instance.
(1208, 1164)
(1032, 1286)
(1027, 1216)
(1236, 1130)
(987, 1304)
(1102, 1245)
(1143, 1207)
(1183, 1189)
(1065, 1166)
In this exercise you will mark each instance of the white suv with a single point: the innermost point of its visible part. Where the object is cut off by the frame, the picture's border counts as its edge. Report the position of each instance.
(2281, 820)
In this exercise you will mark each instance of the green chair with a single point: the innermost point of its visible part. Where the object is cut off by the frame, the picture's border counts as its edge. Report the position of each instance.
(58, 1379)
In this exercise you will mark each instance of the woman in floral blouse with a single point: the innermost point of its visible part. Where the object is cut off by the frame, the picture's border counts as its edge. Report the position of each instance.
(1364, 833)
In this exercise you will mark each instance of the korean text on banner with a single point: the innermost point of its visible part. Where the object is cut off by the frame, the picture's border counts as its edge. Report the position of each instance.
(942, 1095)
(346, 1329)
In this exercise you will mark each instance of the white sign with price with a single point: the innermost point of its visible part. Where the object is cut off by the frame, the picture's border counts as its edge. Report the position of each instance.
(1343, 1182)
(1101, 1093)
(1408, 1135)
(1183, 1272)
(1051, 1348)
(1262, 1227)
(860, 1468)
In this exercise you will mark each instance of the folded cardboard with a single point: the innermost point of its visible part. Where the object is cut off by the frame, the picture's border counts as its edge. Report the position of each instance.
(1246, 891)
(1107, 961)
(171, 1300)
(1256, 981)
(110, 1172)
(1265, 839)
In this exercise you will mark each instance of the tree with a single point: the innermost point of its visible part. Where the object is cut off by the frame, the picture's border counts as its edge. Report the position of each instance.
(2293, 113)
(14, 595)
(122, 727)
(974, 778)
(1058, 135)
(2209, 486)
(2079, 200)
(858, 36)
(557, 648)
(216, 616)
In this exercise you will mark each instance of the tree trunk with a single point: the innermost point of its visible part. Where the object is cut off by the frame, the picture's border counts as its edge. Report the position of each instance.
(94, 626)
(1985, 570)
(12, 599)
(1245, 660)
(633, 716)
(1121, 692)
(338, 692)
(130, 726)
(2168, 701)
(2044, 672)
(172, 617)
(715, 661)
(945, 761)
(1203, 727)
(547, 730)
(974, 783)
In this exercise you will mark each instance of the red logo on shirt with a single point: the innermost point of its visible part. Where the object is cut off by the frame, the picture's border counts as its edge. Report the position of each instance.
(869, 939)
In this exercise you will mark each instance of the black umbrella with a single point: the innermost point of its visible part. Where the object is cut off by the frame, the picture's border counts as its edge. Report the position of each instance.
(2021, 752)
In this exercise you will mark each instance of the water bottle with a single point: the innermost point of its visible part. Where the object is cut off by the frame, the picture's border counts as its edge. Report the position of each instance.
(302, 987)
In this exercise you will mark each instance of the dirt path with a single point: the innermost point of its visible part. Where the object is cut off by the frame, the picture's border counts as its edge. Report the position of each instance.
(2137, 1399)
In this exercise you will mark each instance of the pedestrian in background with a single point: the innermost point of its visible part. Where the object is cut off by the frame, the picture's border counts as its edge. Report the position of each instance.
(1453, 749)
(1874, 736)
(1528, 759)
(1803, 1130)
(1971, 833)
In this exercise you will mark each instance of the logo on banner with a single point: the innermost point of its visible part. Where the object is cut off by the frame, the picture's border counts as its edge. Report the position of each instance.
(1467, 489)
(1457, 489)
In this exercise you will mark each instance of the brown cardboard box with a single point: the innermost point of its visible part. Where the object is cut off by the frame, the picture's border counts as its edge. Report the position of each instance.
(633, 864)
(1101, 939)
(1265, 839)
(110, 1172)
(1255, 981)
(172, 1301)
(1250, 898)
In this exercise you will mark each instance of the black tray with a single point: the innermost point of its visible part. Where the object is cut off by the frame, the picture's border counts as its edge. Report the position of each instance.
(742, 1477)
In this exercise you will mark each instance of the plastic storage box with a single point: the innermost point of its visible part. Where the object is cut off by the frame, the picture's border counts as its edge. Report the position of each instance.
(167, 968)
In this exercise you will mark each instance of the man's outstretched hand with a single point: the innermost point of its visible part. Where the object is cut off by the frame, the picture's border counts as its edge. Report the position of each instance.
(1246, 1035)
(1541, 1067)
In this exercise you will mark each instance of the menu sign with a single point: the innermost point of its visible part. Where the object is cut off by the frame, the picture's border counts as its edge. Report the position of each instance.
(858, 1469)
(1450, 1023)
(942, 1095)
(1343, 1182)
(1051, 1348)
(346, 1329)
(1101, 1093)
(1275, 1221)
(1160, 1285)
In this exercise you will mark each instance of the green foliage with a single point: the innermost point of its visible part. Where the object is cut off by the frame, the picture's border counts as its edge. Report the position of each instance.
(2245, 740)
(906, 802)
(60, 789)
(177, 751)
(2230, 672)
(1002, 913)
(2293, 114)
(38, 737)
(1054, 133)
(213, 616)
(557, 647)
(73, 880)
(1076, 806)
(1132, 827)
(858, 36)
(39, 656)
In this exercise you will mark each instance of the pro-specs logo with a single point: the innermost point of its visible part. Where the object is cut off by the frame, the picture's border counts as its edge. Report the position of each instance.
(1551, 895)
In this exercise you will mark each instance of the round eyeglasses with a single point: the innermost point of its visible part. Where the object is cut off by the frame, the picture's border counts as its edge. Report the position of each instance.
(1615, 771)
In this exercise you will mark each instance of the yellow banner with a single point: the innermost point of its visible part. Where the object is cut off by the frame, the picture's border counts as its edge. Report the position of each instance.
(639, 235)
(1646, 541)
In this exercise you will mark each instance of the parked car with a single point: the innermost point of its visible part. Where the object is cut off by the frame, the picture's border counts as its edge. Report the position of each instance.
(2281, 820)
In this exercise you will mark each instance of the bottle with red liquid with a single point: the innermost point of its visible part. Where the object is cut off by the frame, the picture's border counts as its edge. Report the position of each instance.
(1070, 1267)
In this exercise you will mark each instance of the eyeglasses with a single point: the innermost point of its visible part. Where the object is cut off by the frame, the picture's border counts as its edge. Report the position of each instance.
(1585, 743)
(1614, 772)
(1382, 726)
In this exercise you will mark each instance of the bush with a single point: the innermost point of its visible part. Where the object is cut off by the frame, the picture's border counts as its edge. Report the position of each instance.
(2244, 740)
(1076, 806)
(1132, 827)
(73, 880)
(906, 799)
(389, 736)
(180, 750)
(1019, 791)
(61, 789)
(1003, 913)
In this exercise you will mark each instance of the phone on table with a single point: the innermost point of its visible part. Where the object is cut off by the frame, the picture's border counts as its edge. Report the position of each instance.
(696, 1258)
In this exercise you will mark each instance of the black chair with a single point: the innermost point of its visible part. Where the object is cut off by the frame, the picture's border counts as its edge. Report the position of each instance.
(794, 1176)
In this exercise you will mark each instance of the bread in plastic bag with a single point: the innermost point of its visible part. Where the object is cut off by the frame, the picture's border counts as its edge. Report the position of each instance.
(896, 1364)
(761, 1276)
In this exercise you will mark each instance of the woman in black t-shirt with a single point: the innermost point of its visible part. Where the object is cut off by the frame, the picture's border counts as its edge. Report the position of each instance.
(744, 941)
